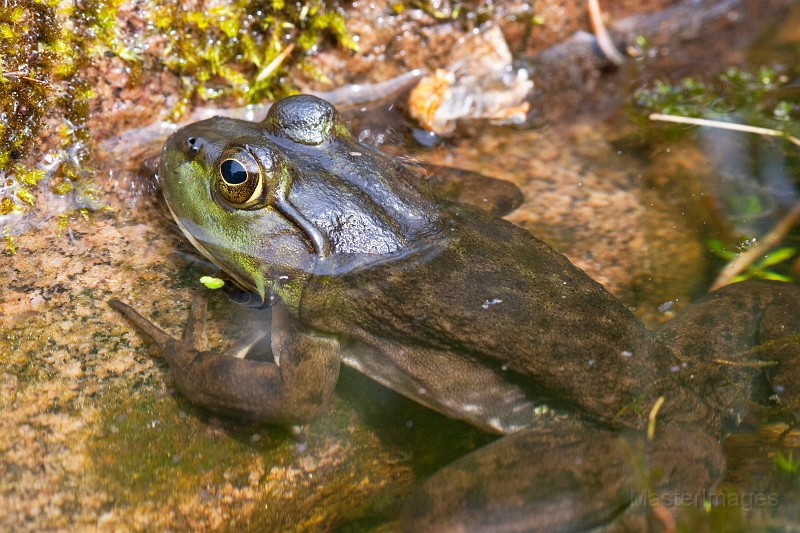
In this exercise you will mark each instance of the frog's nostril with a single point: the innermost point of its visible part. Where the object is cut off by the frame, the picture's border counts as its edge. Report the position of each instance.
(195, 144)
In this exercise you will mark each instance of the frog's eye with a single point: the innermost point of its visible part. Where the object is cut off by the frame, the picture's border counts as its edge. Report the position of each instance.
(254, 174)
(240, 180)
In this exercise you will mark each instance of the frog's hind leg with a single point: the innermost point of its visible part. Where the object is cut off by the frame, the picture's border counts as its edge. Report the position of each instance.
(779, 347)
(740, 344)
(567, 480)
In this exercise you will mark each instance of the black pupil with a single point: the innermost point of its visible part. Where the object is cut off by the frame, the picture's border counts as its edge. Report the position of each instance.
(233, 172)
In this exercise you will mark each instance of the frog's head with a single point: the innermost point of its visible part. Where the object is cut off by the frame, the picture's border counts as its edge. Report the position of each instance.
(286, 195)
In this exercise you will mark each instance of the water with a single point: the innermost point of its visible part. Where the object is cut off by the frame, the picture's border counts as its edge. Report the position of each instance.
(93, 434)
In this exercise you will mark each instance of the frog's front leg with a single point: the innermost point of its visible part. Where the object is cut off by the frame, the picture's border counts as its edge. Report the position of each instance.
(292, 390)
(573, 477)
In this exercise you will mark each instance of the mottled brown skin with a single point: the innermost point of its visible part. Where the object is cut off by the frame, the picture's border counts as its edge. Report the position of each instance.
(365, 263)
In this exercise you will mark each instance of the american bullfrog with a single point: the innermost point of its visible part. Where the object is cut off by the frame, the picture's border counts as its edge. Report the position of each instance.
(365, 263)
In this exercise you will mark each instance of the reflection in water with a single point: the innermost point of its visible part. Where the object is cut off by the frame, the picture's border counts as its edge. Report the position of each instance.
(752, 178)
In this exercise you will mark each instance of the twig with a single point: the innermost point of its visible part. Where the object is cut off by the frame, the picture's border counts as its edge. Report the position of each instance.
(745, 364)
(765, 243)
(723, 125)
(604, 40)
(20, 75)
(275, 63)
(651, 418)
(770, 346)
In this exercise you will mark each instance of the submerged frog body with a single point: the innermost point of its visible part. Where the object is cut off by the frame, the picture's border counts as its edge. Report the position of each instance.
(364, 262)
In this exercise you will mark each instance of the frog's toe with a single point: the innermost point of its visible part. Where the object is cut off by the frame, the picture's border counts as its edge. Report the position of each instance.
(164, 341)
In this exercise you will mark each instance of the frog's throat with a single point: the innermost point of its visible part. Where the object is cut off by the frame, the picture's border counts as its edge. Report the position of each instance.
(202, 249)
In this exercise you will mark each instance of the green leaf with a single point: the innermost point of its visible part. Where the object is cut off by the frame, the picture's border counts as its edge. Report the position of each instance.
(212, 282)
(778, 256)
(742, 277)
(716, 246)
(787, 463)
(774, 276)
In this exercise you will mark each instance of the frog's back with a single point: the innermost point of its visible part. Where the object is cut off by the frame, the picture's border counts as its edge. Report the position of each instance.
(506, 307)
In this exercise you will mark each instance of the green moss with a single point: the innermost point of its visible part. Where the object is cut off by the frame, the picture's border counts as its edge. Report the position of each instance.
(45, 48)
(16, 184)
(26, 38)
(64, 218)
(241, 50)
(27, 31)
(245, 48)
(471, 13)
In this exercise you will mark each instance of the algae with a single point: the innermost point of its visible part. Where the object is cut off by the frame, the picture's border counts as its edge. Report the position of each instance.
(362, 458)
(159, 448)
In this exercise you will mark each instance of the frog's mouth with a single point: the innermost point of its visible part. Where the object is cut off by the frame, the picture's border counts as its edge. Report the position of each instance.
(250, 299)
(244, 284)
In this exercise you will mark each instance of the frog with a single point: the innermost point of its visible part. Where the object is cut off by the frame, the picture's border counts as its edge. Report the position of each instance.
(423, 287)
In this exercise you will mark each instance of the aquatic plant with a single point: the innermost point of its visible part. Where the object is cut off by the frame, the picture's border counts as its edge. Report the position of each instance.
(760, 269)
(756, 98)
(787, 464)
(212, 283)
